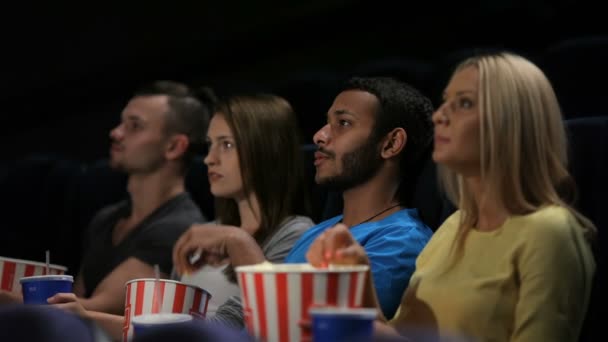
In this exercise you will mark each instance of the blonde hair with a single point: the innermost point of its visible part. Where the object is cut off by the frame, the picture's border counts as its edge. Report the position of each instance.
(523, 145)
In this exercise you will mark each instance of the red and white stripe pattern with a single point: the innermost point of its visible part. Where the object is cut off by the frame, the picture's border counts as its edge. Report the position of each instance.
(275, 302)
(11, 270)
(148, 296)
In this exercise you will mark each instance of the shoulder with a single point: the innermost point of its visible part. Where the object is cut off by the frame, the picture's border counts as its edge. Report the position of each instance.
(103, 217)
(552, 223)
(111, 210)
(306, 236)
(184, 206)
(449, 226)
(398, 232)
(442, 238)
(321, 227)
(551, 235)
(291, 228)
(179, 211)
(296, 223)
(405, 222)
(452, 220)
(176, 217)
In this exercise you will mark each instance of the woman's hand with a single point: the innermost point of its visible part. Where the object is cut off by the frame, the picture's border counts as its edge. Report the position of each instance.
(7, 297)
(202, 244)
(68, 302)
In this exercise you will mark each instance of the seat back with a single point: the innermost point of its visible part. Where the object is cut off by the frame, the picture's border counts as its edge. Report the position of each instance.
(589, 166)
(576, 67)
(34, 208)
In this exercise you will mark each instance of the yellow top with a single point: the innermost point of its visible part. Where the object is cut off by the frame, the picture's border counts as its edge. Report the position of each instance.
(528, 280)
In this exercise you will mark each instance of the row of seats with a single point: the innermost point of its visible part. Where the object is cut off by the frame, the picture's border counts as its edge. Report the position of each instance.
(48, 201)
(589, 166)
(576, 68)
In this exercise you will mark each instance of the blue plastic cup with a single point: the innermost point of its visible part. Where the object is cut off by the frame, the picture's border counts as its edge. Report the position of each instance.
(37, 289)
(342, 324)
(148, 322)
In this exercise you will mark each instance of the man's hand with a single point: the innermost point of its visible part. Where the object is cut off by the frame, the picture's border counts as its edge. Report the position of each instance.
(336, 246)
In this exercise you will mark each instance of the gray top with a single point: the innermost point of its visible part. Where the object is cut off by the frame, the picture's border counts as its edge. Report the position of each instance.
(150, 242)
(279, 245)
(275, 250)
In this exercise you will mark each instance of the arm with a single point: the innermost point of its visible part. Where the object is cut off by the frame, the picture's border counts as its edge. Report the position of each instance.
(392, 254)
(555, 270)
(109, 296)
(151, 246)
(337, 246)
(244, 250)
(214, 244)
(79, 288)
(230, 314)
(381, 329)
(111, 324)
(7, 297)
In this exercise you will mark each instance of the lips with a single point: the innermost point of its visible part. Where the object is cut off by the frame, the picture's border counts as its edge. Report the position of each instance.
(320, 158)
(441, 139)
(213, 176)
(115, 148)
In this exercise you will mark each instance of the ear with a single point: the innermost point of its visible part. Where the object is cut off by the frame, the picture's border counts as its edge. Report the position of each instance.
(177, 146)
(394, 143)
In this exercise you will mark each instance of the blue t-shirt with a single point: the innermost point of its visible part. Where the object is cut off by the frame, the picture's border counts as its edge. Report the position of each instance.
(392, 245)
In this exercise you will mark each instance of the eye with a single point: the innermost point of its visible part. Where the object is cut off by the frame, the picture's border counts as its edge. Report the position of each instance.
(226, 145)
(343, 123)
(465, 103)
(132, 125)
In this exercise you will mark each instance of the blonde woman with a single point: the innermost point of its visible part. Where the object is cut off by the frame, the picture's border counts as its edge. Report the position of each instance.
(514, 263)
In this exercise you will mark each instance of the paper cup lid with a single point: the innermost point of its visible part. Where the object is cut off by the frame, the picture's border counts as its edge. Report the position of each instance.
(35, 263)
(48, 277)
(370, 313)
(267, 267)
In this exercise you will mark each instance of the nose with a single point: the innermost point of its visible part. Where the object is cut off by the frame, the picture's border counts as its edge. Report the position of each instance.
(117, 133)
(322, 136)
(210, 158)
(440, 116)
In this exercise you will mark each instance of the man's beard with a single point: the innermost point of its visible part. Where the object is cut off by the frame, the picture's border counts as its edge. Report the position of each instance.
(358, 167)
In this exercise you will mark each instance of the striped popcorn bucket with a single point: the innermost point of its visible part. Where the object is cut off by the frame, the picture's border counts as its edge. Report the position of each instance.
(11, 270)
(149, 296)
(277, 297)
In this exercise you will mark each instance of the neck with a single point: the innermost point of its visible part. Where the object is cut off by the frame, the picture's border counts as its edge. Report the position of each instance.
(492, 213)
(250, 213)
(370, 198)
(151, 190)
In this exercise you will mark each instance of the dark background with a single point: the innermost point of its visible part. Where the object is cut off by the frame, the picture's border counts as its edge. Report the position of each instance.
(68, 68)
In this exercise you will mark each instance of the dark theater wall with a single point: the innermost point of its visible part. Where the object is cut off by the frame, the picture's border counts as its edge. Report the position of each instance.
(68, 68)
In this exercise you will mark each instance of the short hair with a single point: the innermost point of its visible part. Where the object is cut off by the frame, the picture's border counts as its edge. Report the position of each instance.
(189, 112)
(400, 105)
